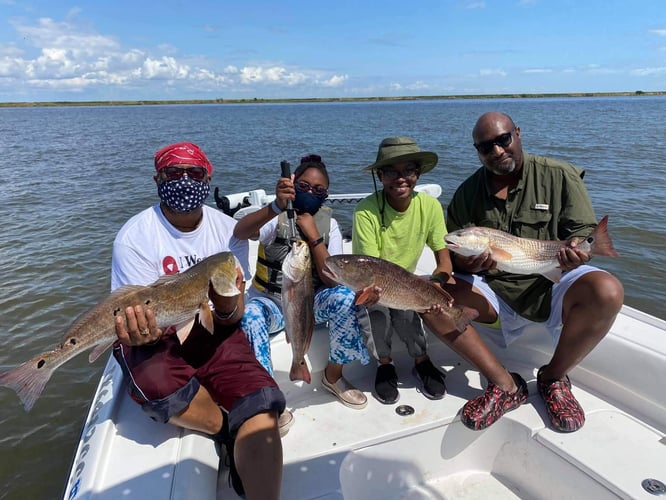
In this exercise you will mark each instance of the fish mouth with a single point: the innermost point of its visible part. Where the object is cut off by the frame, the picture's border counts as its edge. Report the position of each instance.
(329, 273)
(451, 244)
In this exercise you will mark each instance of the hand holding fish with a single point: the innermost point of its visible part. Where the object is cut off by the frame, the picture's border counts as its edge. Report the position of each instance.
(307, 224)
(228, 309)
(173, 301)
(369, 296)
(570, 257)
(481, 248)
(476, 263)
(138, 327)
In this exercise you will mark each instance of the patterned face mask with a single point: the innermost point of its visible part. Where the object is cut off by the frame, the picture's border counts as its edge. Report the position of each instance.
(184, 194)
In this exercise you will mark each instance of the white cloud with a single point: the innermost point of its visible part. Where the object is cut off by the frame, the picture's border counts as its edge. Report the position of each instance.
(165, 67)
(538, 70)
(267, 75)
(334, 81)
(70, 58)
(659, 32)
(492, 72)
(418, 85)
(648, 71)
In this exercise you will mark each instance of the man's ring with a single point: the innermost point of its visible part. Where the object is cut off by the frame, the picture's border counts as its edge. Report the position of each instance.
(145, 331)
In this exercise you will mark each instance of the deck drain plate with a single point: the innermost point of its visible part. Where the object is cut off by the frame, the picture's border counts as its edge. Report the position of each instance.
(404, 410)
(654, 486)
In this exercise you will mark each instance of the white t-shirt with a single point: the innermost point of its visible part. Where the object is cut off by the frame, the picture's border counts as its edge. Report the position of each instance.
(148, 246)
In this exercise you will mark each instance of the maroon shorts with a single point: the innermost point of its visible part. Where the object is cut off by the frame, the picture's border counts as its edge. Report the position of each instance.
(165, 376)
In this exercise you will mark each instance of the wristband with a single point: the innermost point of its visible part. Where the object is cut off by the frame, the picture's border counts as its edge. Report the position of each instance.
(275, 208)
(225, 316)
(316, 242)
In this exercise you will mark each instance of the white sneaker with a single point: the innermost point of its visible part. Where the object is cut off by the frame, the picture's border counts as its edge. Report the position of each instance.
(285, 421)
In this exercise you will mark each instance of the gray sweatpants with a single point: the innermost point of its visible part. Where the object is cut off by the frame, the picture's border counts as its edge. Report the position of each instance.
(407, 325)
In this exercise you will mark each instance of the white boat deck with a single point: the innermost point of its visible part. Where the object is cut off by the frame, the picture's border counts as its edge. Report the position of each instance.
(333, 452)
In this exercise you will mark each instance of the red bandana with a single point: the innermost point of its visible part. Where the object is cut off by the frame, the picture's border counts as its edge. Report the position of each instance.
(182, 153)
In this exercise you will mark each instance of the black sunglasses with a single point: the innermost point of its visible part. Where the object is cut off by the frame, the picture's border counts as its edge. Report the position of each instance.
(503, 141)
(194, 173)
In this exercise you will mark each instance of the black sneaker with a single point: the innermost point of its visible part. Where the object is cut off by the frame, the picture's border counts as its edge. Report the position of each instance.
(223, 438)
(432, 380)
(386, 384)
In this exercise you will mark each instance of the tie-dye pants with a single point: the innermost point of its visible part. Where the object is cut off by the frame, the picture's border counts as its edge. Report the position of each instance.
(263, 317)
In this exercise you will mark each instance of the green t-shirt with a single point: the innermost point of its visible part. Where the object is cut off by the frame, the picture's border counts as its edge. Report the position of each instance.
(550, 202)
(405, 233)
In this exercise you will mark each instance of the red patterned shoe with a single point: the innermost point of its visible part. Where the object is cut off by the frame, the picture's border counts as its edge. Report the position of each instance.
(564, 411)
(482, 412)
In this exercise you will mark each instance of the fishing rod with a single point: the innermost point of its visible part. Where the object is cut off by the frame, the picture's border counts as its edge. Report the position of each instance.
(286, 172)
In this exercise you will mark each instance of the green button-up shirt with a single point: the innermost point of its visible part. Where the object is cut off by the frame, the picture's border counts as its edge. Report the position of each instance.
(550, 202)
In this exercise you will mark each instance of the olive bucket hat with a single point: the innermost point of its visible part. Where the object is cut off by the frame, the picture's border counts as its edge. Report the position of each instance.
(394, 150)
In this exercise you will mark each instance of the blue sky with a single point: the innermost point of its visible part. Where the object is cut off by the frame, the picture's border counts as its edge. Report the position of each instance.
(53, 50)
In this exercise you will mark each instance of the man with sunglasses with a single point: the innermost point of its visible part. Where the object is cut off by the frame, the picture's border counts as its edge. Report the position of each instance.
(335, 304)
(533, 197)
(395, 223)
(196, 384)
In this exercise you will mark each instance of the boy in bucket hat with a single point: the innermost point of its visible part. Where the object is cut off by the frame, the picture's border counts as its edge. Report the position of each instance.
(395, 223)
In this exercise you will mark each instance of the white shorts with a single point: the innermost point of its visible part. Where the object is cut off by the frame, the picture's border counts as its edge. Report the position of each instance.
(511, 322)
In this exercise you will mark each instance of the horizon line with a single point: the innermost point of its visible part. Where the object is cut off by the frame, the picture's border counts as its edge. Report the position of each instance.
(326, 99)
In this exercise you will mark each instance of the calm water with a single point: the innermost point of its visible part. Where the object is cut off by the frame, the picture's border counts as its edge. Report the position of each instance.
(72, 176)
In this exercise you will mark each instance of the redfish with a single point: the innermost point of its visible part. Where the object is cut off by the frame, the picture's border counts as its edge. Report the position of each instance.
(297, 295)
(400, 288)
(174, 299)
(526, 255)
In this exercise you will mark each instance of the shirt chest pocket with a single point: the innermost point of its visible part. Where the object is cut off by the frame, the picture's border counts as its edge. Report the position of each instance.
(532, 224)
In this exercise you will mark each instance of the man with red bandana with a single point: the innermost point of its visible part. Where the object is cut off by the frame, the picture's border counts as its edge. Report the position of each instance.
(198, 384)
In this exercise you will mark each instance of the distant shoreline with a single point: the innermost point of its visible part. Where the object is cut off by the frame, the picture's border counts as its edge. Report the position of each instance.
(258, 100)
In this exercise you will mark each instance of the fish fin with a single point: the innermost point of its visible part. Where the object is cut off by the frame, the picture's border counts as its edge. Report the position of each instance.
(308, 339)
(124, 290)
(468, 314)
(603, 245)
(553, 275)
(206, 318)
(165, 278)
(184, 330)
(98, 350)
(362, 297)
(447, 295)
(498, 254)
(28, 380)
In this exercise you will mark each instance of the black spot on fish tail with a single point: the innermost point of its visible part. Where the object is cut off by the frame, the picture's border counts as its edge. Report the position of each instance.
(72, 341)
(116, 311)
(41, 363)
(148, 301)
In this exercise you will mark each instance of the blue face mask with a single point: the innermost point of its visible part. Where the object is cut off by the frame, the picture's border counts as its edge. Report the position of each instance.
(307, 202)
(184, 194)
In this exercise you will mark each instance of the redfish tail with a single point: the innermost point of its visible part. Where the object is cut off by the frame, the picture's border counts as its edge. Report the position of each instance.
(467, 315)
(28, 380)
(300, 371)
(603, 244)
